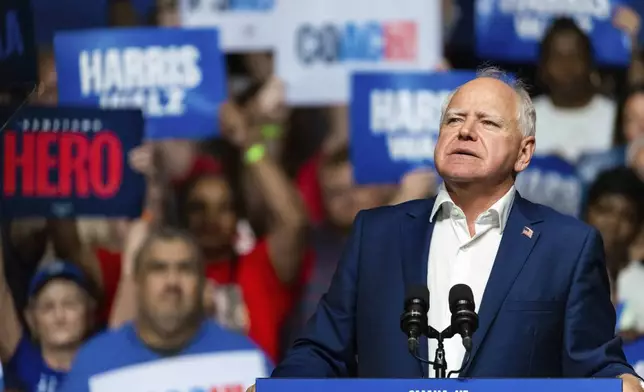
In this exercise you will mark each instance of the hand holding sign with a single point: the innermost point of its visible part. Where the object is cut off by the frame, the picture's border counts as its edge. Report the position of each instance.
(141, 159)
(627, 20)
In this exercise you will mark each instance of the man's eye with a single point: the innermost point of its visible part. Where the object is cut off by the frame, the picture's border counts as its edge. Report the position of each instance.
(490, 123)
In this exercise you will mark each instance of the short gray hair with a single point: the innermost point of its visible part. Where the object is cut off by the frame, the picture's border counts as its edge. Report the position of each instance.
(526, 116)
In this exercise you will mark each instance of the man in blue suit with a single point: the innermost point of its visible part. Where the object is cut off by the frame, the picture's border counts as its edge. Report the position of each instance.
(539, 276)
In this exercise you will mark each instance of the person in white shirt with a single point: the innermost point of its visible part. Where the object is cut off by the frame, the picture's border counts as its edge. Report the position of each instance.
(573, 118)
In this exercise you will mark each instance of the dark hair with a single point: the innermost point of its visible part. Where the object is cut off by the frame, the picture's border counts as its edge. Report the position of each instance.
(166, 233)
(618, 135)
(560, 26)
(621, 181)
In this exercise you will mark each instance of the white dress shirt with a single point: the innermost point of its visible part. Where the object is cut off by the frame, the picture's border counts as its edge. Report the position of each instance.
(456, 257)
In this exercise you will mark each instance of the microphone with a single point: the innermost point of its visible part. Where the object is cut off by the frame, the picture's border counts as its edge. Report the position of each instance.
(465, 321)
(413, 321)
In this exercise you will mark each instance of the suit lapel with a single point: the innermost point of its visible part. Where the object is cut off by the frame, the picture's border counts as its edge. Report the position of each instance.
(513, 252)
(416, 232)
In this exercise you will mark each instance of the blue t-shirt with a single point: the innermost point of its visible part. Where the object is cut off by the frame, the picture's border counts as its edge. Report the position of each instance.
(28, 369)
(215, 358)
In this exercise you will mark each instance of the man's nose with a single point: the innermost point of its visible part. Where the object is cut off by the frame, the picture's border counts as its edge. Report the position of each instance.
(466, 132)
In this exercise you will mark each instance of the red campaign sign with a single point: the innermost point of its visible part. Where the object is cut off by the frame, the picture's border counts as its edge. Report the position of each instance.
(77, 161)
(55, 166)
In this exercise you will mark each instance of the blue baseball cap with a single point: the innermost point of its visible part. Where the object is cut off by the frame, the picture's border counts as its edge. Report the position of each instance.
(57, 270)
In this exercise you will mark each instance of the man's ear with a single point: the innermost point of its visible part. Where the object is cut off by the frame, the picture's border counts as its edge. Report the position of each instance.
(526, 152)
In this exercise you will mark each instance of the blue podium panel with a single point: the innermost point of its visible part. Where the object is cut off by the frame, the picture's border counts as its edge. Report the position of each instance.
(439, 385)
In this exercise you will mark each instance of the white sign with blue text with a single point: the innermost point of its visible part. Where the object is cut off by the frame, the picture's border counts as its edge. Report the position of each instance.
(395, 120)
(321, 42)
(511, 30)
(245, 25)
(175, 76)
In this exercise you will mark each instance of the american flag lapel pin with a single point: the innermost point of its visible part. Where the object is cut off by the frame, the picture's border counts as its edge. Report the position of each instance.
(527, 232)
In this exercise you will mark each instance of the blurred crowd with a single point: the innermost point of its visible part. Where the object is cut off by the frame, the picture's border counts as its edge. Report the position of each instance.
(268, 205)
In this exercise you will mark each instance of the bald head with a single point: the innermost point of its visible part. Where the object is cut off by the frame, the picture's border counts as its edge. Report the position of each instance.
(486, 133)
(493, 79)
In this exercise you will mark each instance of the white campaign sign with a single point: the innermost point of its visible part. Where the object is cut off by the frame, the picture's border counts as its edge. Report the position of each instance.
(242, 30)
(321, 42)
(232, 371)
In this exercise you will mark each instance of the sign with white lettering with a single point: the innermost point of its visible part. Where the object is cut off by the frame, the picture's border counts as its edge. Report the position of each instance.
(395, 119)
(228, 371)
(511, 30)
(321, 42)
(552, 181)
(61, 162)
(245, 25)
(175, 76)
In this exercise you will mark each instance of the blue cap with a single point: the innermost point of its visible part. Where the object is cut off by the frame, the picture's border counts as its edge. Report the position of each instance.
(56, 270)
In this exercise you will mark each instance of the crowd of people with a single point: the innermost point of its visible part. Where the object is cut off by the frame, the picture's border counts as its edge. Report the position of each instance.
(240, 236)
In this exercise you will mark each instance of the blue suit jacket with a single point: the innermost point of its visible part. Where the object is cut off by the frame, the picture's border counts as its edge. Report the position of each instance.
(546, 310)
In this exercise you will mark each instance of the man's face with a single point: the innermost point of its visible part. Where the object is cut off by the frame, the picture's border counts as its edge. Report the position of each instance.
(60, 314)
(615, 216)
(634, 117)
(479, 140)
(170, 285)
(567, 67)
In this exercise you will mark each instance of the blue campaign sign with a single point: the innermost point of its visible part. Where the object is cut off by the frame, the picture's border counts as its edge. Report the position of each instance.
(445, 385)
(18, 67)
(511, 30)
(61, 162)
(52, 16)
(552, 181)
(175, 76)
(395, 119)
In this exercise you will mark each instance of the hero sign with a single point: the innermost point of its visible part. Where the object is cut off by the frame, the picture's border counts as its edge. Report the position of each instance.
(63, 163)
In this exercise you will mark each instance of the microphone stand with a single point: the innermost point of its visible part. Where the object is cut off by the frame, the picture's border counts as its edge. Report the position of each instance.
(439, 363)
